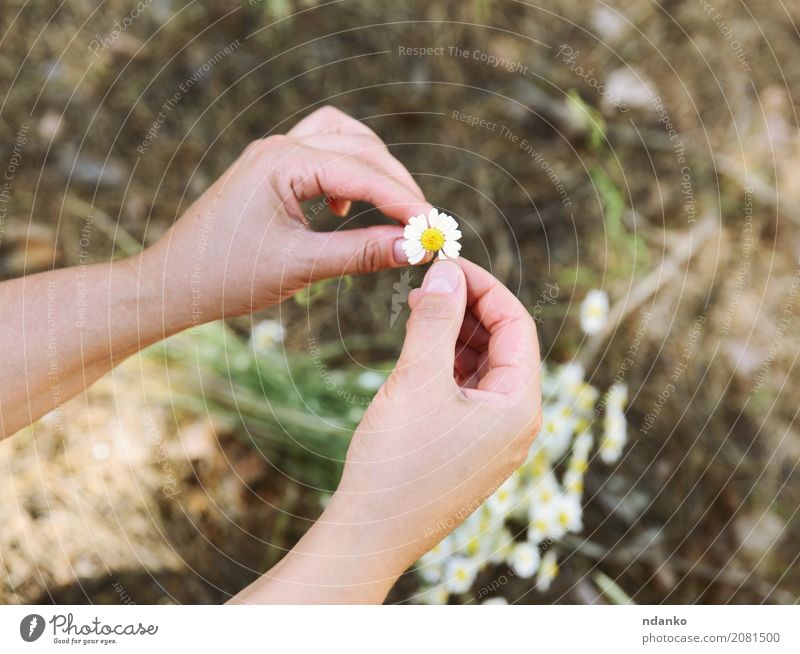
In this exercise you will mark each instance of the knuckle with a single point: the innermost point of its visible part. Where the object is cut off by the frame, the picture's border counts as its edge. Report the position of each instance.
(329, 111)
(271, 143)
(370, 257)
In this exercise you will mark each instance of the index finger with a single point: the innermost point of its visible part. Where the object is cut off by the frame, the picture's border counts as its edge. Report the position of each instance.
(331, 120)
(315, 172)
(513, 348)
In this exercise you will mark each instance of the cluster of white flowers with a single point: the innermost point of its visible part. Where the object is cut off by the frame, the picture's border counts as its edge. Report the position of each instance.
(521, 523)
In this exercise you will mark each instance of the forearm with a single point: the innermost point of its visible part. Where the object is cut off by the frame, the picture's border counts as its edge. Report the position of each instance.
(343, 559)
(64, 329)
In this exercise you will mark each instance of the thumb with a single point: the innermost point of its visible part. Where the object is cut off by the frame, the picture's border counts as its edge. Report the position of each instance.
(435, 322)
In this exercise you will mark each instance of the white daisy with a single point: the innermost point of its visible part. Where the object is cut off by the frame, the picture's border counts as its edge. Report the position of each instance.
(431, 564)
(566, 382)
(436, 232)
(501, 502)
(611, 447)
(556, 432)
(594, 311)
(502, 545)
(524, 560)
(615, 435)
(544, 490)
(437, 595)
(543, 523)
(495, 601)
(459, 574)
(582, 446)
(573, 480)
(586, 399)
(266, 335)
(547, 571)
(570, 513)
(617, 397)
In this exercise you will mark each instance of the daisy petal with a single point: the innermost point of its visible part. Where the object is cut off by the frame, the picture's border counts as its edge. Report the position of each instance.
(420, 222)
(447, 222)
(413, 232)
(451, 249)
(416, 258)
(412, 247)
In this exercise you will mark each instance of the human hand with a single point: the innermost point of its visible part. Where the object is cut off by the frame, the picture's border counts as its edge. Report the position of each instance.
(453, 421)
(245, 243)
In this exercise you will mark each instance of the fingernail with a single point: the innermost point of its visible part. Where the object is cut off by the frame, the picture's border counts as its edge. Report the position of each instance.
(442, 277)
(400, 255)
(343, 208)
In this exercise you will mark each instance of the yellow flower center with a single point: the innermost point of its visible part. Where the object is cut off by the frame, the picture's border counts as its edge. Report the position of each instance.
(432, 239)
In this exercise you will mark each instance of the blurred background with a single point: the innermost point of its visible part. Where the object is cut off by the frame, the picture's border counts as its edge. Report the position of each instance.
(647, 149)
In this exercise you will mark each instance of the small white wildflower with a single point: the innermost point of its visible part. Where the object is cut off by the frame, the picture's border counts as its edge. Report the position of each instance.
(547, 571)
(586, 399)
(431, 573)
(467, 537)
(436, 232)
(573, 482)
(495, 601)
(556, 433)
(460, 572)
(569, 376)
(502, 545)
(543, 523)
(437, 595)
(582, 446)
(615, 435)
(594, 311)
(524, 560)
(502, 501)
(544, 490)
(537, 463)
(570, 513)
(431, 564)
(611, 449)
(266, 334)
(476, 544)
(617, 397)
